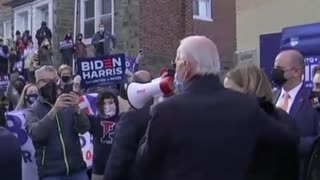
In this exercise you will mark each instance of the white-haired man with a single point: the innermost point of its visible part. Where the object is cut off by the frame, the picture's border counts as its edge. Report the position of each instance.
(53, 123)
(205, 131)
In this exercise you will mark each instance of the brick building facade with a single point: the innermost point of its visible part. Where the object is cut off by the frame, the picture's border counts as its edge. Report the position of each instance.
(156, 26)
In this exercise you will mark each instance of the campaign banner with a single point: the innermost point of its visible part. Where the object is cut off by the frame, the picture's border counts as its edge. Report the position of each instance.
(130, 63)
(66, 44)
(18, 66)
(101, 71)
(310, 62)
(16, 124)
(4, 80)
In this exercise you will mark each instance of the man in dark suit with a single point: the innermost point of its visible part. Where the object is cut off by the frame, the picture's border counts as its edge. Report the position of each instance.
(129, 131)
(205, 131)
(10, 156)
(293, 97)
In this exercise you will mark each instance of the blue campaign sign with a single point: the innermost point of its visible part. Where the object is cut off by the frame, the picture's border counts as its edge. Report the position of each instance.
(130, 63)
(102, 71)
(4, 80)
(311, 62)
(305, 39)
(269, 49)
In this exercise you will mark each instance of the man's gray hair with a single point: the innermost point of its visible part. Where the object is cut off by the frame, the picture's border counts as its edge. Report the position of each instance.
(201, 50)
(42, 69)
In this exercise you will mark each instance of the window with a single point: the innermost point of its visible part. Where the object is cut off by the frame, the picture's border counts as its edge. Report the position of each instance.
(45, 15)
(89, 18)
(106, 15)
(202, 9)
(93, 13)
(7, 31)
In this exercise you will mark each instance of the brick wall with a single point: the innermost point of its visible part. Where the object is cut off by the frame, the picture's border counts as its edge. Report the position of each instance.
(63, 20)
(126, 26)
(222, 30)
(163, 23)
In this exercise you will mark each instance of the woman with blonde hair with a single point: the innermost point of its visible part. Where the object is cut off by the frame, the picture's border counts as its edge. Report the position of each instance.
(28, 96)
(270, 161)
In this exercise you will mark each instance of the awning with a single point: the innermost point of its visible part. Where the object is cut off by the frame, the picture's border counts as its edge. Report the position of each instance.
(16, 3)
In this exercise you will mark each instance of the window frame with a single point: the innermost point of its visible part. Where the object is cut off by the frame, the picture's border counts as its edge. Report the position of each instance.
(209, 12)
(5, 33)
(97, 15)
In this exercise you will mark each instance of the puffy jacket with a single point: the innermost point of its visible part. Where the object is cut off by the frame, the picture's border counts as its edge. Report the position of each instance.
(56, 141)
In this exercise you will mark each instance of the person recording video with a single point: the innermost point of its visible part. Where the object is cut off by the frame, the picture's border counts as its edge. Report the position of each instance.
(53, 123)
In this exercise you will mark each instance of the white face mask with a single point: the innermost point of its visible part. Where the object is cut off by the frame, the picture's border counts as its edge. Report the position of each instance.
(102, 29)
(109, 110)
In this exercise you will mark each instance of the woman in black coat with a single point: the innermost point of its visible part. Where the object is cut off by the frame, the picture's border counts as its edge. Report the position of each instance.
(270, 161)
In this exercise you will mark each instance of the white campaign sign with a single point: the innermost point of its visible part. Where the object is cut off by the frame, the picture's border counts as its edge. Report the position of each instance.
(16, 124)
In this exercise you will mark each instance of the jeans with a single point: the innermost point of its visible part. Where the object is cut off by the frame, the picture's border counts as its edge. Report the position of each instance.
(82, 175)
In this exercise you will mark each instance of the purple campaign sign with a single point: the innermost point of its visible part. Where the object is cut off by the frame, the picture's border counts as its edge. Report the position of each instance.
(130, 62)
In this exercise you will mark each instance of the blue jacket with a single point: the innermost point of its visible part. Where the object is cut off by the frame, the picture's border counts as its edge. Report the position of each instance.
(10, 156)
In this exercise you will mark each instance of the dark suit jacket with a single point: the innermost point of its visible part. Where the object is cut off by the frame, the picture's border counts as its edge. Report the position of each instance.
(206, 132)
(306, 117)
(307, 120)
(10, 156)
(129, 131)
(274, 161)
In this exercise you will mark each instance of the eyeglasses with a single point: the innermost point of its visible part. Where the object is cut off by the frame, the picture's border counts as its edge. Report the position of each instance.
(45, 81)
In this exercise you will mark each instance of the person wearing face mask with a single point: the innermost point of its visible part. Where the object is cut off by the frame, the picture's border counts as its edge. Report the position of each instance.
(4, 53)
(205, 131)
(28, 96)
(64, 72)
(103, 42)
(270, 160)
(28, 55)
(81, 48)
(315, 93)
(54, 122)
(129, 131)
(43, 33)
(14, 90)
(67, 49)
(102, 130)
(293, 97)
(45, 53)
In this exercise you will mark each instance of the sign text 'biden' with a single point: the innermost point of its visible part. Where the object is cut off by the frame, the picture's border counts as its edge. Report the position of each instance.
(97, 71)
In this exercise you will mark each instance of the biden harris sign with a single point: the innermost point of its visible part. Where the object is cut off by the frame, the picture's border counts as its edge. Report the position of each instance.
(102, 71)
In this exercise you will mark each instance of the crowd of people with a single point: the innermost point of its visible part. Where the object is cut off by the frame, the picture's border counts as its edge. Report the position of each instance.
(238, 129)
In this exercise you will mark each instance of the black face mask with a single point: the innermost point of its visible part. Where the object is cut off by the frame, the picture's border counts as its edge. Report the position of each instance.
(65, 79)
(49, 92)
(278, 77)
(31, 98)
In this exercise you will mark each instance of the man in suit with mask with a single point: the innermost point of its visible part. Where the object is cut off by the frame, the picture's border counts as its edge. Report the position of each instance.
(293, 97)
(205, 131)
(129, 130)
